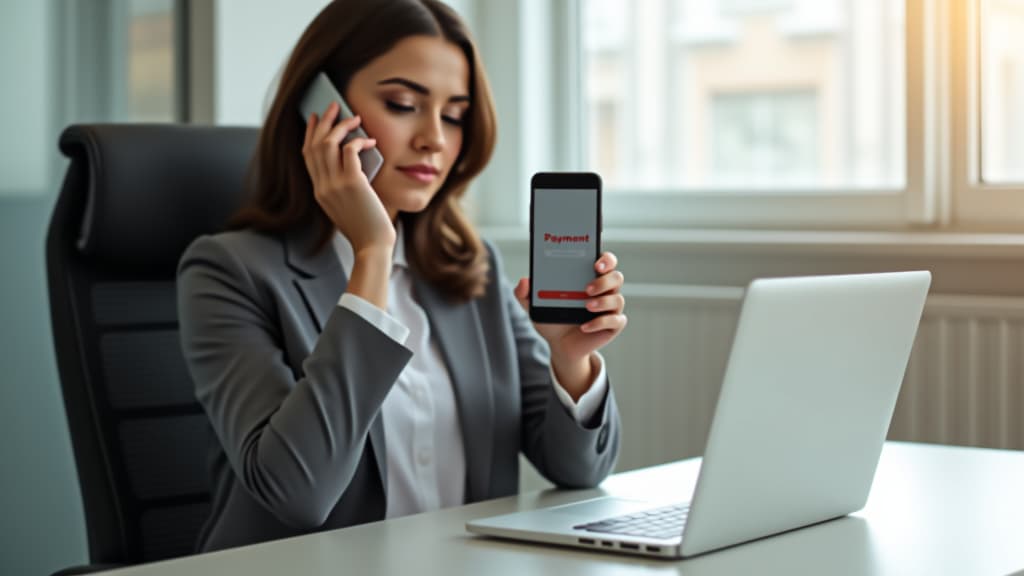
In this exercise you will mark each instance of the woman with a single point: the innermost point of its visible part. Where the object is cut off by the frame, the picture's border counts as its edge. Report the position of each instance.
(354, 344)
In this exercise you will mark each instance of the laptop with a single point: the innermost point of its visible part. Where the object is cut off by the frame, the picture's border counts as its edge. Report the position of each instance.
(810, 387)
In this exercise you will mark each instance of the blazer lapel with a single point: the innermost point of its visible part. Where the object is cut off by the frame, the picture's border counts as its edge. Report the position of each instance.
(320, 280)
(460, 337)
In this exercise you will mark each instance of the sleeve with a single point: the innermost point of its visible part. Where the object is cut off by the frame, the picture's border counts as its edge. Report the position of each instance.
(591, 400)
(383, 321)
(567, 452)
(293, 441)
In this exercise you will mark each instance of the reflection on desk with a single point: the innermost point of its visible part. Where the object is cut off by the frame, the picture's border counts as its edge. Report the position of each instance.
(933, 510)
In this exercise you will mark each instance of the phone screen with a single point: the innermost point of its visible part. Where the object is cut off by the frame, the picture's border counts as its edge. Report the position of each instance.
(565, 246)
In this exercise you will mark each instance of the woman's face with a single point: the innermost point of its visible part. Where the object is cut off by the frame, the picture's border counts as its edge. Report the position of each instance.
(413, 100)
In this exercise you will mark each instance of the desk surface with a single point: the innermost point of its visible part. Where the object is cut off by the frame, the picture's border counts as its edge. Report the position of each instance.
(933, 510)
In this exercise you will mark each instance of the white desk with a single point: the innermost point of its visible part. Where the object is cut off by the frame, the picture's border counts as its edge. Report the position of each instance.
(933, 510)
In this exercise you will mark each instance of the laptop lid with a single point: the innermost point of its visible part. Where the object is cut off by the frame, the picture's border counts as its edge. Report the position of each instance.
(810, 388)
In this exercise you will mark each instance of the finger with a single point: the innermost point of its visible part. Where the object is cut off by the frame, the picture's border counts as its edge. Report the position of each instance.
(326, 122)
(307, 145)
(332, 142)
(341, 129)
(330, 154)
(351, 163)
(606, 283)
(613, 322)
(317, 162)
(610, 303)
(522, 293)
(606, 263)
(522, 289)
(307, 139)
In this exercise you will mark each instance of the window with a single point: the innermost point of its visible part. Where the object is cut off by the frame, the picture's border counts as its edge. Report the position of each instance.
(80, 62)
(985, 147)
(119, 61)
(1002, 91)
(701, 95)
(746, 6)
(804, 114)
(763, 137)
(149, 63)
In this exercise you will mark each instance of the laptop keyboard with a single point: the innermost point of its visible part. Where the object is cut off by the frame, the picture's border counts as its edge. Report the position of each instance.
(663, 523)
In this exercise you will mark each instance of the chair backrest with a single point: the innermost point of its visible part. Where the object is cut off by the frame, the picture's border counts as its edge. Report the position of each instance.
(133, 198)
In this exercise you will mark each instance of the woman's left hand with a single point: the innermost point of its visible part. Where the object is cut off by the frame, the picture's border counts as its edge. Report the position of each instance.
(571, 344)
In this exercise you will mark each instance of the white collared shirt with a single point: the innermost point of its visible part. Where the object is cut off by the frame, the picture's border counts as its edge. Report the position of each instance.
(426, 456)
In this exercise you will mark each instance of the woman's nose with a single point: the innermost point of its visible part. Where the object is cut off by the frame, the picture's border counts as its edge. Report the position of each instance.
(430, 137)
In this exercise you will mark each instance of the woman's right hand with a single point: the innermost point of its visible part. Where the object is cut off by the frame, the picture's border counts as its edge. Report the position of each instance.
(339, 185)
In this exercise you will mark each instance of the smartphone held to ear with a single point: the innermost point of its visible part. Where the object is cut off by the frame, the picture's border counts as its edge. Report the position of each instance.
(565, 243)
(320, 94)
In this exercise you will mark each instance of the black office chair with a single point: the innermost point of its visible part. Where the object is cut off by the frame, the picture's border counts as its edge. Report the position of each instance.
(133, 198)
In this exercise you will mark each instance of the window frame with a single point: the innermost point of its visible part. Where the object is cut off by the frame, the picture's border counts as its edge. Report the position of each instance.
(976, 204)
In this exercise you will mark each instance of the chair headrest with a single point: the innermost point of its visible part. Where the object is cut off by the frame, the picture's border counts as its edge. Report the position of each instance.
(150, 189)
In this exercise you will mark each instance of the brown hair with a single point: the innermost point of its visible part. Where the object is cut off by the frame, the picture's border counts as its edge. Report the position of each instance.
(441, 244)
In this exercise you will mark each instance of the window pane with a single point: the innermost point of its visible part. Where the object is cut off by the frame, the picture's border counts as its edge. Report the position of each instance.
(1002, 91)
(149, 79)
(764, 136)
(745, 94)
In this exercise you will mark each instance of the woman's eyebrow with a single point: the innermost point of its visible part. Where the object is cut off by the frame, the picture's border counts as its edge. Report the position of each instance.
(415, 87)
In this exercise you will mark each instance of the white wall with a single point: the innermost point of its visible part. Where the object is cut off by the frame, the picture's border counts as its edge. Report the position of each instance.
(41, 527)
(25, 100)
(252, 40)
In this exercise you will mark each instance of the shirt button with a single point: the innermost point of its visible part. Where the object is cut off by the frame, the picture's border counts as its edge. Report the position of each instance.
(423, 457)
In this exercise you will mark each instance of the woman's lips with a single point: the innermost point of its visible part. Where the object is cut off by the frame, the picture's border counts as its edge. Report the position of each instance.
(424, 174)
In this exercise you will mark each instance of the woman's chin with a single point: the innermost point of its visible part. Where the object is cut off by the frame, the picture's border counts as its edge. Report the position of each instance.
(412, 201)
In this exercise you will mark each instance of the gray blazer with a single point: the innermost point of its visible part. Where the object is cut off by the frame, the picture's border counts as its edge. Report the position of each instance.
(293, 384)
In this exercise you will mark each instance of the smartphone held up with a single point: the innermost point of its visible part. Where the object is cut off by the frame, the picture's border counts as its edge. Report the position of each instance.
(565, 243)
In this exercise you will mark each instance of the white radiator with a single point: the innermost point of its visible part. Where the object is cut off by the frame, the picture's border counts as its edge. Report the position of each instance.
(964, 383)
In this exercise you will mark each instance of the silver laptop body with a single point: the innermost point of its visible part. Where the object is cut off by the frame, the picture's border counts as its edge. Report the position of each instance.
(811, 384)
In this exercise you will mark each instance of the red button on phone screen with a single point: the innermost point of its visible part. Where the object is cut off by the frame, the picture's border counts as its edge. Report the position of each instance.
(561, 295)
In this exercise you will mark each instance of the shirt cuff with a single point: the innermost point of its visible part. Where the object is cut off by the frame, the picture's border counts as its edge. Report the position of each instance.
(588, 404)
(379, 318)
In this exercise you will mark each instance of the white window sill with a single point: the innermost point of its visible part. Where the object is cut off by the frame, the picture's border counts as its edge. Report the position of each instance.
(905, 243)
